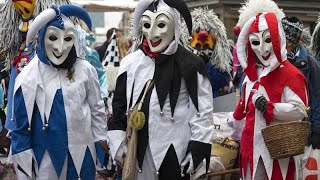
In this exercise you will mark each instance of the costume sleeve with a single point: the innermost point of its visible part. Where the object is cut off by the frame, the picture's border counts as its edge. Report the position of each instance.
(218, 79)
(201, 124)
(98, 115)
(118, 125)
(292, 107)
(22, 152)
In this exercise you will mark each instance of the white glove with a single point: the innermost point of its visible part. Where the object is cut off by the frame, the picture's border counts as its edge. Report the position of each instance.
(188, 159)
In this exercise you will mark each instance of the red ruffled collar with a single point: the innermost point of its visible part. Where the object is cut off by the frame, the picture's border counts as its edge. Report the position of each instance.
(147, 51)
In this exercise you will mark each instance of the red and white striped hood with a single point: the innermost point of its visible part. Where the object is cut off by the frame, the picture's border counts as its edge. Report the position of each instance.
(247, 57)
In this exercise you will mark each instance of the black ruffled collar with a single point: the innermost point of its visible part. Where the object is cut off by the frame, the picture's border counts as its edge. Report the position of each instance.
(170, 69)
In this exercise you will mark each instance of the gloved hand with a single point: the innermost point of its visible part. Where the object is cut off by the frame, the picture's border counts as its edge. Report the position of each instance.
(256, 95)
(315, 140)
(187, 166)
(259, 101)
(205, 58)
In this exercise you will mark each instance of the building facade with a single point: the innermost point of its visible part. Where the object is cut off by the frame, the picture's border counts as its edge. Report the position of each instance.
(227, 10)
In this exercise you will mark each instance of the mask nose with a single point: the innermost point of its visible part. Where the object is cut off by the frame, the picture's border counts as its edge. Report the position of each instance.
(203, 36)
(59, 47)
(262, 49)
(154, 33)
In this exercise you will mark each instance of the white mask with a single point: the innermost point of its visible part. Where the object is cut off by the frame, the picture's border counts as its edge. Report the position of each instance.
(158, 28)
(58, 43)
(261, 44)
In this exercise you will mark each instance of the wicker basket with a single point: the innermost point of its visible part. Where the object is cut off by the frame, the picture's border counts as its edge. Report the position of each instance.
(286, 139)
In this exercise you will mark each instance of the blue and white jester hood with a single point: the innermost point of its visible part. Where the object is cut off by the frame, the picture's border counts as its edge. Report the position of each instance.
(57, 17)
(59, 119)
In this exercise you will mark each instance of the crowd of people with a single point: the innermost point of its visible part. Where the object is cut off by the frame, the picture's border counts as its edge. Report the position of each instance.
(140, 107)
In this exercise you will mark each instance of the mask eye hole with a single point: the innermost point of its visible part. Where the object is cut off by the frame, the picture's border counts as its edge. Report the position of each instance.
(68, 39)
(268, 40)
(20, 11)
(256, 43)
(206, 46)
(161, 25)
(146, 25)
(53, 38)
(26, 10)
(198, 46)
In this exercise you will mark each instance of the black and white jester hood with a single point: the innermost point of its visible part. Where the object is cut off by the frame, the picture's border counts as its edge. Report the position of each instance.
(176, 8)
(57, 17)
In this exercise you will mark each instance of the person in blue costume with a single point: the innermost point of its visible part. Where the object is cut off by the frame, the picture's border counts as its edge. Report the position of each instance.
(58, 110)
(218, 78)
(209, 41)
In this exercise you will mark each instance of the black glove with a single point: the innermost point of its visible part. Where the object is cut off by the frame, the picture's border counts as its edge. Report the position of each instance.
(315, 140)
(205, 58)
(261, 104)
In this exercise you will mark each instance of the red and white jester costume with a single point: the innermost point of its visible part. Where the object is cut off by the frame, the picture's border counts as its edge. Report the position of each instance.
(281, 90)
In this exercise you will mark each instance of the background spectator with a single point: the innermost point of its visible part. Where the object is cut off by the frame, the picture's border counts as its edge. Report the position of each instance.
(102, 49)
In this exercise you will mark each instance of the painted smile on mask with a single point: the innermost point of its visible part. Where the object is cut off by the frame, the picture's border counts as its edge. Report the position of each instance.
(262, 46)
(155, 44)
(158, 29)
(57, 56)
(266, 57)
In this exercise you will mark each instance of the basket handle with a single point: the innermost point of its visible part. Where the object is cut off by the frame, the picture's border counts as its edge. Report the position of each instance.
(304, 109)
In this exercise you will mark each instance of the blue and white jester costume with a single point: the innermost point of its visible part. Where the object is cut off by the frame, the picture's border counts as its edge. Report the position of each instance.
(58, 109)
(15, 14)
